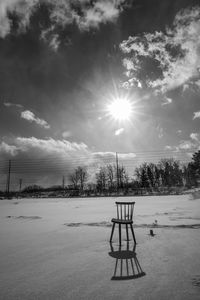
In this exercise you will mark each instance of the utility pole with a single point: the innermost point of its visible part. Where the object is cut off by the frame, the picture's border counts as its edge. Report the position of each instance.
(63, 182)
(20, 185)
(8, 179)
(117, 172)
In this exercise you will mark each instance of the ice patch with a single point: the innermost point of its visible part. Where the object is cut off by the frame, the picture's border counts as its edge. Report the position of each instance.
(25, 217)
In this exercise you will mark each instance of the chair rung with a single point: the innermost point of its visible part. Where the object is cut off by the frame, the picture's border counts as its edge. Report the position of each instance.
(121, 221)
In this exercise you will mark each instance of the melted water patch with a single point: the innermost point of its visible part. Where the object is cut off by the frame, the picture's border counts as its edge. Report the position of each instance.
(25, 217)
(108, 224)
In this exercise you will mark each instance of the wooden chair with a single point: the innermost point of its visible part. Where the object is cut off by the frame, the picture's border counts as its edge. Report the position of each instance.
(124, 217)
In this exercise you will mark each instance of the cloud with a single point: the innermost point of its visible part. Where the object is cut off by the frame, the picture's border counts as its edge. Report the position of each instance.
(51, 38)
(8, 149)
(166, 101)
(22, 8)
(35, 148)
(168, 147)
(197, 83)
(41, 161)
(4, 21)
(132, 82)
(9, 104)
(46, 161)
(160, 131)
(101, 12)
(49, 146)
(119, 131)
(85, 14)
(196, 115)
(160, 134)
(179, 131)
(195, 136)
(188, 146)
(166, 60)
(30, 116)
(185, 87)
(66, 134)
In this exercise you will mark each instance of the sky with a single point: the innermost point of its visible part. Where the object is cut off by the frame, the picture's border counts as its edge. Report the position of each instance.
(62, 63)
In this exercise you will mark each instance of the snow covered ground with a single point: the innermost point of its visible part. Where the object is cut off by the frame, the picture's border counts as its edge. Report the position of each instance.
(59, 249)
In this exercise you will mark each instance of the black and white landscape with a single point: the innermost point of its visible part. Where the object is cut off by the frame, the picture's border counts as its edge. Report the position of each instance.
(99, 99)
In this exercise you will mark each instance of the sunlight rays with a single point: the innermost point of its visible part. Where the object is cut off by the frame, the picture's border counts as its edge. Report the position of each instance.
(120, 109)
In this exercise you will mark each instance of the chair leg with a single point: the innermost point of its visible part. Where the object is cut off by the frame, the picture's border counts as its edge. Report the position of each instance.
(133, 233)
(120, 238)
(113, 227)
(127, 232)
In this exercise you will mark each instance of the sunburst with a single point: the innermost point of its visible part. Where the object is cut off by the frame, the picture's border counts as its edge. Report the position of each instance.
(120, 109)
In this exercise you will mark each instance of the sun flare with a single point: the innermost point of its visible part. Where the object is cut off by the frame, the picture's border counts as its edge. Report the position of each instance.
(120, 109)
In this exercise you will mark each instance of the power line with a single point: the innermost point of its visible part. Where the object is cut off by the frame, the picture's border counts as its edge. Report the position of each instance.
(21, 164)
(98, 155)
(51, 165)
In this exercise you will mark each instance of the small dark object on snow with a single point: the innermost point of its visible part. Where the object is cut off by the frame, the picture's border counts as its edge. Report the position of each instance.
(151, 232)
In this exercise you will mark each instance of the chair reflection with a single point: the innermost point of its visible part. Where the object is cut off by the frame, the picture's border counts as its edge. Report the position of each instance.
(127, 265)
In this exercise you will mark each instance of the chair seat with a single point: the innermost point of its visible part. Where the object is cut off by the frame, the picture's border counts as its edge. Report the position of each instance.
(122, 221)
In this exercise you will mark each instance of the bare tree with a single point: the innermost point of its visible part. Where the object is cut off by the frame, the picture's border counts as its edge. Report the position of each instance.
(110, 175)
(79, 177)
(74, 178)
(101, 179)
(121, 176)
(83, 176)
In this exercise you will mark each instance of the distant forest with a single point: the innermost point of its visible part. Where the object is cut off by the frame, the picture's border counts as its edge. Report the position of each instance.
(168, 176)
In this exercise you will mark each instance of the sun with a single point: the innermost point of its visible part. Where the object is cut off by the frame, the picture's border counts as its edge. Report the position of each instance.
(120, 109)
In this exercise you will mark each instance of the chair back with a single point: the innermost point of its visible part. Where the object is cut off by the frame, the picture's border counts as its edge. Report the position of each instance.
(125, 210)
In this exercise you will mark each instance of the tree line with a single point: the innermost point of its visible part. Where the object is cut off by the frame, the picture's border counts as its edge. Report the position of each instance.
(164, 176)
(167, 173)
